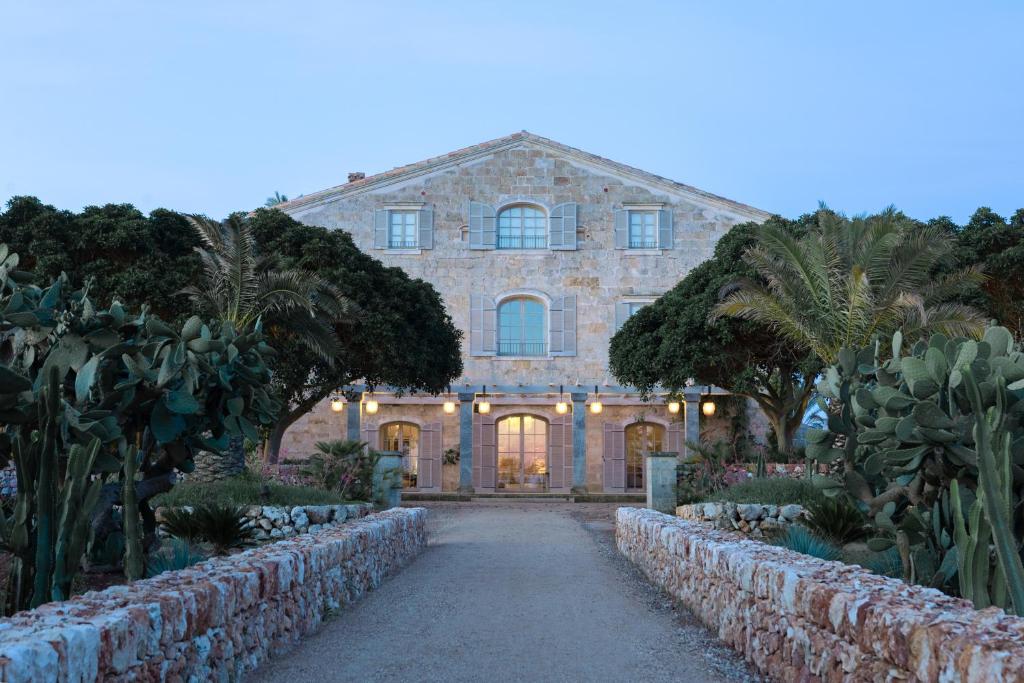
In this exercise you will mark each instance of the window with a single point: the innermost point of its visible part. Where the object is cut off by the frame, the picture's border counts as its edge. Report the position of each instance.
(402, 230)
(624, 310)
(633, 306)
(643, 230)
(404, 438)
(521, 327)
(522, 227)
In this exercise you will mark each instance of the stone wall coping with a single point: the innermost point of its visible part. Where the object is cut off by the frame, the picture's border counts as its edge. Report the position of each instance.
(796, 617)
(216, 620)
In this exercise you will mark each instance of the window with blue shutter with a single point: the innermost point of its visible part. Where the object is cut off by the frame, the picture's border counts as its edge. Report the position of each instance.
(624, 310)
(563, 226)
(482, 226)
(426, 227)
(404, 228)
(563, 325)
(483, 336)
(666, 238)
(643, 227)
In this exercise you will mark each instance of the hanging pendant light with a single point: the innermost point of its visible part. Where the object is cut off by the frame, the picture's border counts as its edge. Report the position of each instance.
(449, 404)
(673, 407)
(708, 407)
(337, 405)
(595, 405)
(483, 406)
(371, 405)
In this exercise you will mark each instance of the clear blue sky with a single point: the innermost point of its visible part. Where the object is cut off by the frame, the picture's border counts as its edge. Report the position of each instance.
(211, 106)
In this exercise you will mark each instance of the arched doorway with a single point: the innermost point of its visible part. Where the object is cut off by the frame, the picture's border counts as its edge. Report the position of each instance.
(641, 438)
(404, 438)
(522, 453)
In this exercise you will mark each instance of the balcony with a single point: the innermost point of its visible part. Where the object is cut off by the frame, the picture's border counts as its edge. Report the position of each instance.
(402, 244)
(522, 242)
(516, 348)
(643, 244)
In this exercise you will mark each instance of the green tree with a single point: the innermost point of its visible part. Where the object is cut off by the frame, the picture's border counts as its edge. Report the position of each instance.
(673, 340)
(849, 281)
(275, 199)
(124, 254)
(996, 246)
(399, 336)
(245, 290)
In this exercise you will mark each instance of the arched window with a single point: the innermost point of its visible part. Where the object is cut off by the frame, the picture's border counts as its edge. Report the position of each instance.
(404, 438)
(642, 438)
(521, 327)
(522, 227)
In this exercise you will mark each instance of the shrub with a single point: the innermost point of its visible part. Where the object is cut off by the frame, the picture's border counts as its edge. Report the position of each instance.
(836, 519)
(247, 489)
(343, 466)
(223, 526)
(182, 523)
(800, 539)
(886, 563)
(769, 492)
(180, 555)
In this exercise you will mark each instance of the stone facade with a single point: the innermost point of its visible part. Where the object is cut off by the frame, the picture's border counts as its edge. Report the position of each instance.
(797, 618)
(215, 621)
(598, 275)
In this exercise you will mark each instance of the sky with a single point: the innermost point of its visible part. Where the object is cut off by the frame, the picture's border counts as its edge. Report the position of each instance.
(210, 107)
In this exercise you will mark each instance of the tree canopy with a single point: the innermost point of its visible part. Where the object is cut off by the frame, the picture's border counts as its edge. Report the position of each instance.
(399, 334)
(128, 255)
(672, 340)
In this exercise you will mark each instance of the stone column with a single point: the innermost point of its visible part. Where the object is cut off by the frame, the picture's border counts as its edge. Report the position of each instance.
(691, 424)
(466, 441)
(355, 406)
(579, 442)
(660, 481)
(387, 480)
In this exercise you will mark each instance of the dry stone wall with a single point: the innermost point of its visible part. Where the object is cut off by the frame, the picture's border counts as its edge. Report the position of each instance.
(797, 618)
(215, 621)
(274, 522)
(748, 518)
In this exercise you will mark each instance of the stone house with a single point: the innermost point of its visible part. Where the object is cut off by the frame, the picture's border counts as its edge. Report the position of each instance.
(540, 252)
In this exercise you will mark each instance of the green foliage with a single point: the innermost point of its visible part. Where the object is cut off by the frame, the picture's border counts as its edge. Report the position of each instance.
(674, 340)
(343, 466)
(180, 555)
(222, 525)
(836, 519)
(389, 309)
(247, 489)
(849, 280)
(134, 557)
(451, 456)
(124, 254)
(911, 425)
(772, 491)
(886, 563)
(800, 539)
(74, 380)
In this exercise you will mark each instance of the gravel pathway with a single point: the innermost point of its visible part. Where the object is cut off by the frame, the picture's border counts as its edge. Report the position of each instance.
(513, 591)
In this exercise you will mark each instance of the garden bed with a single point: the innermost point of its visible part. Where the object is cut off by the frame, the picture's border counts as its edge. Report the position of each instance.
(796, 617)
(247, 489)
(215, 621)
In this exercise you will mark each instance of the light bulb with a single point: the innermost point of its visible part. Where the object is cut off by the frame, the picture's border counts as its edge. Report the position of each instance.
(708, 408)
(596, 407)
(371, 407)
(561, 407)
(483, 407)
(673, 407)
(449, 407)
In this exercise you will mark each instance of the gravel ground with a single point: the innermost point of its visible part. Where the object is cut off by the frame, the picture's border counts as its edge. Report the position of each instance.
(513, 591)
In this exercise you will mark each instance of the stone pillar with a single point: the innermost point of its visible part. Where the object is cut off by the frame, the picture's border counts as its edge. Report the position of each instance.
(579, 442)
(691, 424)
(660, 481)
(466, 441)
(387, 480)
(354, 407)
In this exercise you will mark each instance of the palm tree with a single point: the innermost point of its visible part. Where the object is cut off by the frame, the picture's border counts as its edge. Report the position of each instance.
(851, 280)
(242, 289)
(275, 199)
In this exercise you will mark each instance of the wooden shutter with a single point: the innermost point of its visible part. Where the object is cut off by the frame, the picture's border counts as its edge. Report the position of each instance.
(380, 228)
(483, 326)
(563, 226)
(621, 314)
(485, 452)
(371, 436)
(562, 325)
(426, 227)
(614, 457)
(621, 229)
(560, 452)
(666, 238)
(482, 231)
(429, 476)
(675, 439)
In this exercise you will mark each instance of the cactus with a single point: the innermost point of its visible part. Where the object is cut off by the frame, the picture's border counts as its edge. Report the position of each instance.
(134, 557)
(762, 469)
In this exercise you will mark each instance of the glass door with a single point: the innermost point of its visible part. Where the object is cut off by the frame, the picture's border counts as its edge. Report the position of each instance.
(641, 438)
(522, 454)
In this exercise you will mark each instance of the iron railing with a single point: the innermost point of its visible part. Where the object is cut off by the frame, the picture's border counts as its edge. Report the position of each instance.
(643, 244)
(522, 242)
(402, 244)
(515, 348)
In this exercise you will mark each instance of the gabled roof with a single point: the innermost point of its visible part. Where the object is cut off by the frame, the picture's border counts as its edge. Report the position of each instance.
(483, 149)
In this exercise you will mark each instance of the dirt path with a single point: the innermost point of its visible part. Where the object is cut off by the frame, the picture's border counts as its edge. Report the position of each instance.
(513, 592)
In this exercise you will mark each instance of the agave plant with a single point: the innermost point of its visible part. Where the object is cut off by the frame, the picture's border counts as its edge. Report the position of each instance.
(180, 555)
(836, 519)
(801, 540)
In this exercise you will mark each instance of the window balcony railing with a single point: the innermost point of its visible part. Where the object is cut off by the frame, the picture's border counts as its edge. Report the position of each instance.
(642, 244)
(402, 244)
(522, 242)
(515, 348)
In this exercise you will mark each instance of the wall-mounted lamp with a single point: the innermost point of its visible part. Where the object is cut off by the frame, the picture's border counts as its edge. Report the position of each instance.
(561, 407)
(673, 407)
(371, 406)
(337, 405)
(595, 405)
(708, 407)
